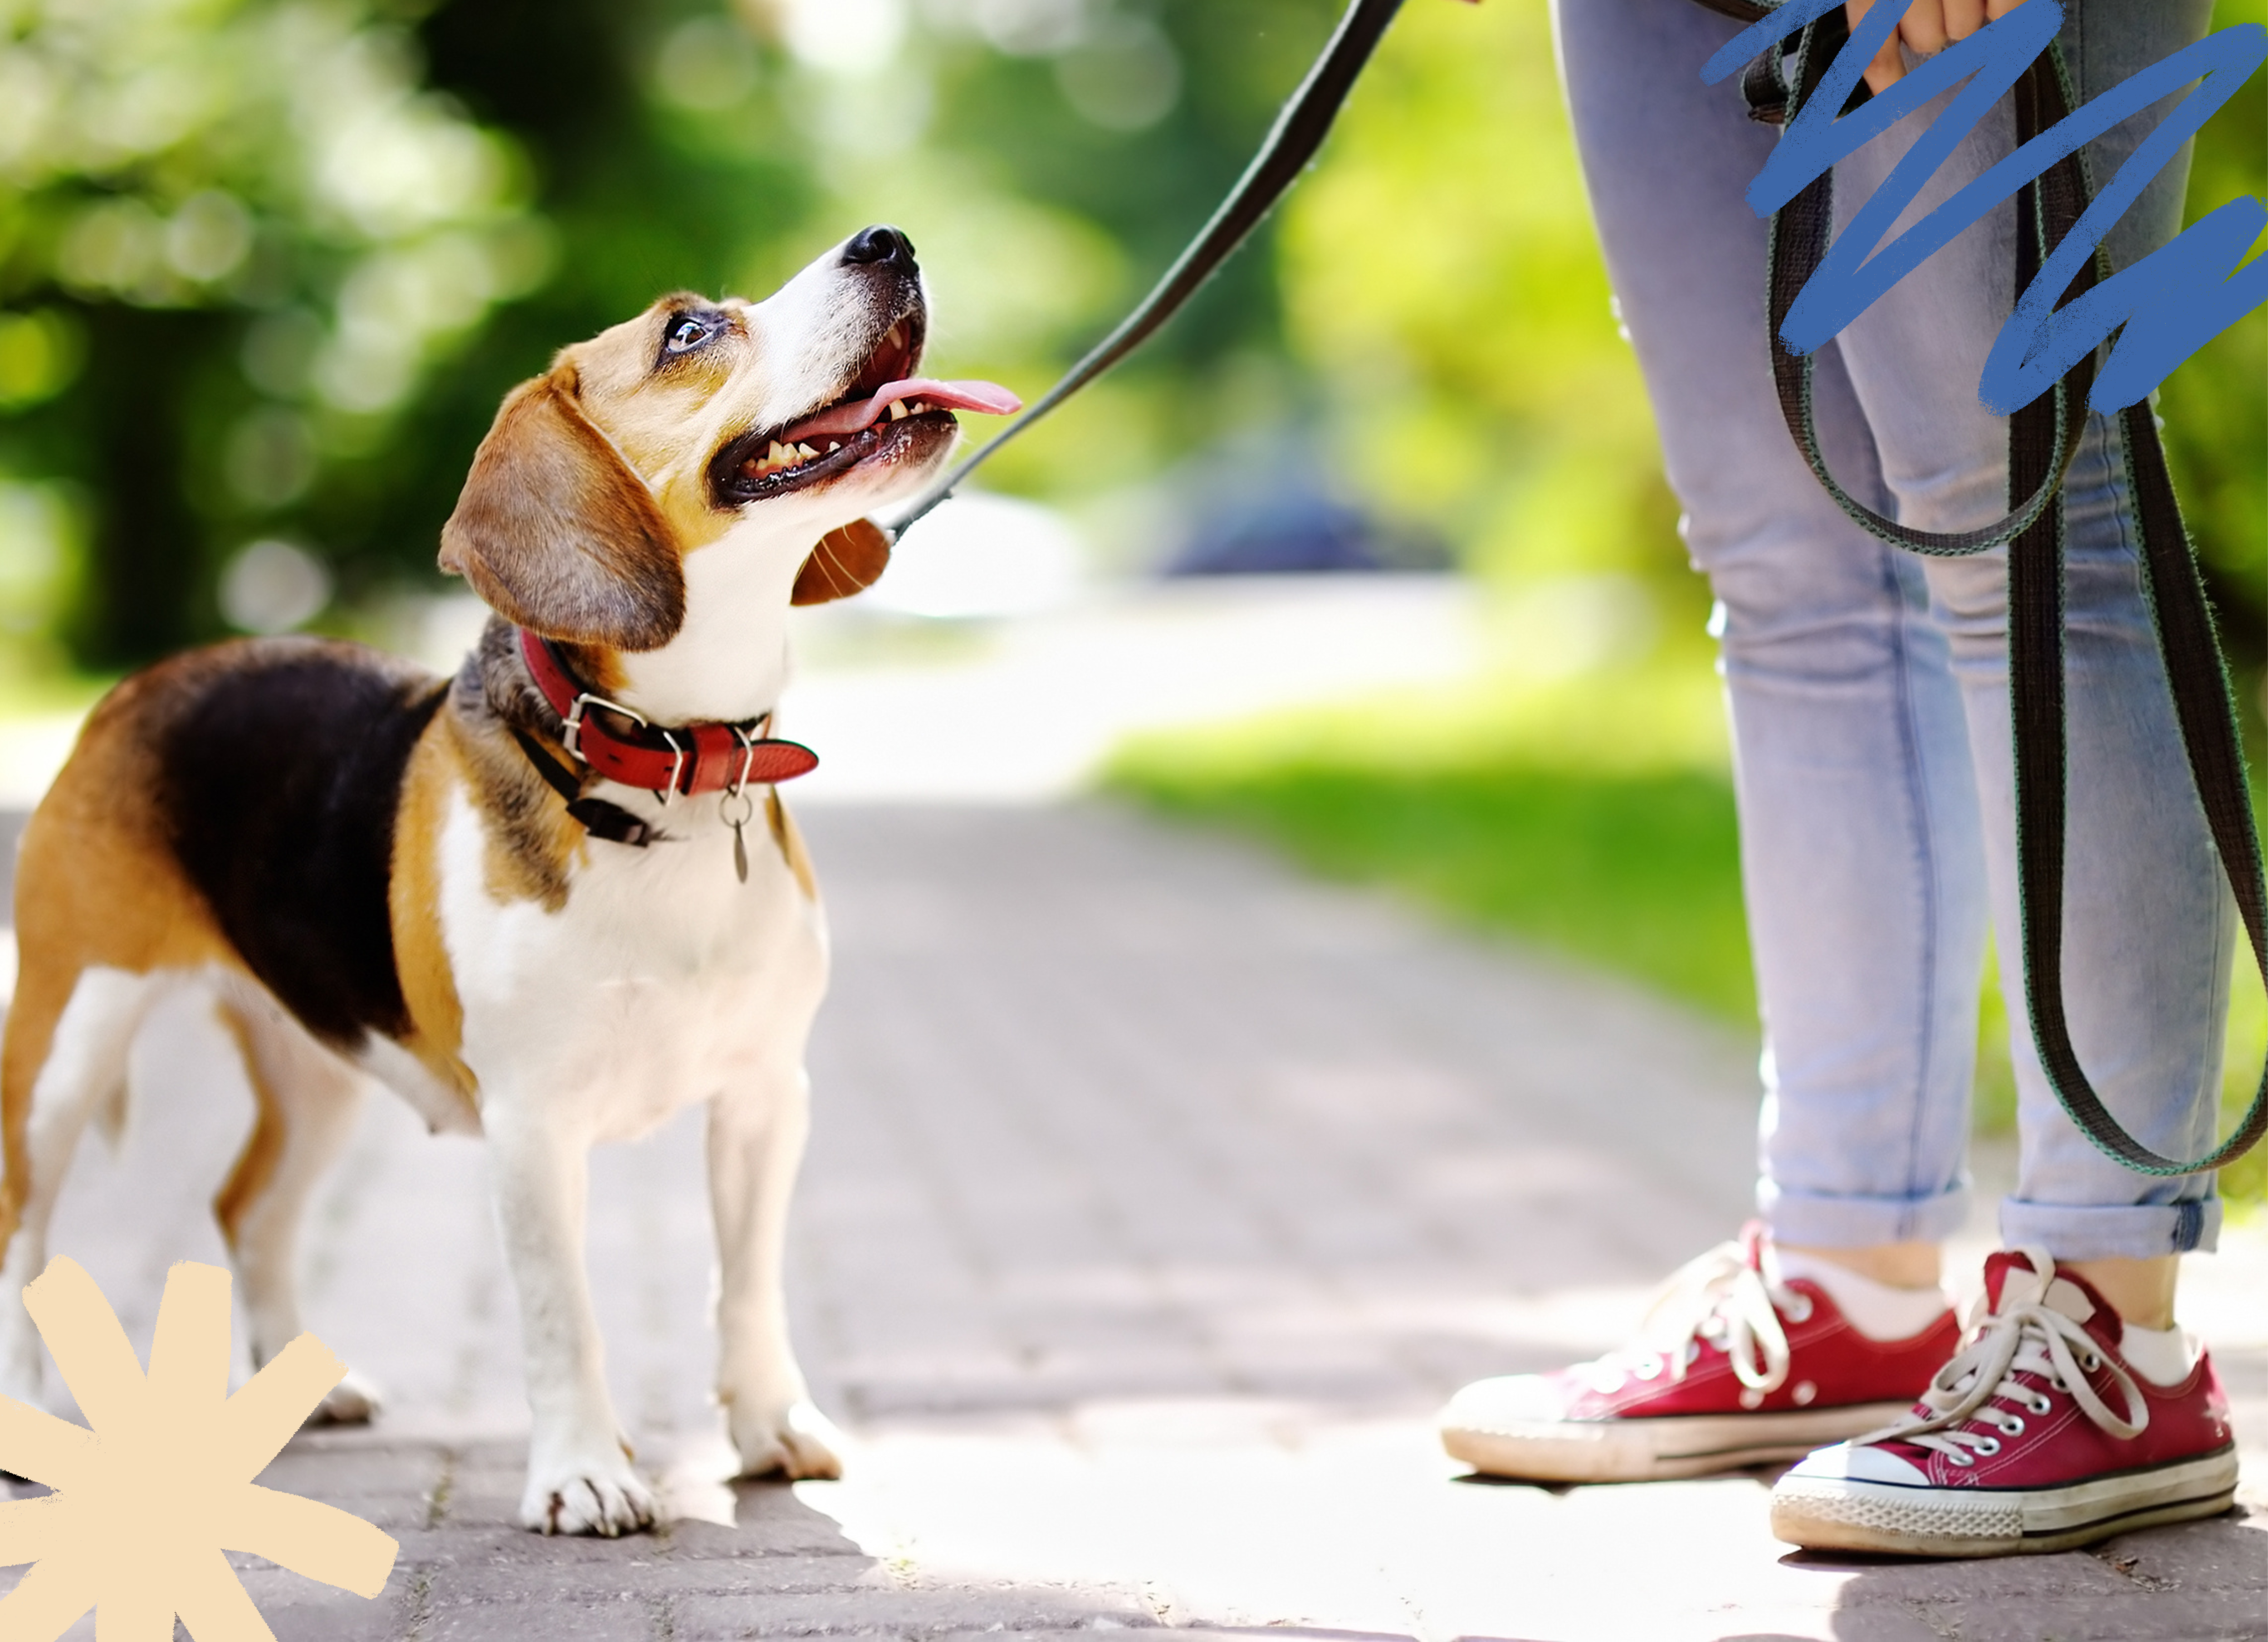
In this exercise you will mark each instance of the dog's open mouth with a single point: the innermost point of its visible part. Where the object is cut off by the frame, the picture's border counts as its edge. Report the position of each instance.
(884, 411)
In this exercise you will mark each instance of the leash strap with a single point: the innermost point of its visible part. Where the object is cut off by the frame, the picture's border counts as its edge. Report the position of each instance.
(2043, 438)
(599, 818)
(1298, 131)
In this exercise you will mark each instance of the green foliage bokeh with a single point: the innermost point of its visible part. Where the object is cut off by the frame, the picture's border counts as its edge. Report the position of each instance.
(267, 267)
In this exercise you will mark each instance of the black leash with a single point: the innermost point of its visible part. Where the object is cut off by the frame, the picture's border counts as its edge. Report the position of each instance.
(599, 818)
(1299, 132)
(2043, 438)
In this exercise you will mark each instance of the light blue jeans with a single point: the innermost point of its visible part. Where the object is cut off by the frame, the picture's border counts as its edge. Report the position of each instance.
(1868, 687)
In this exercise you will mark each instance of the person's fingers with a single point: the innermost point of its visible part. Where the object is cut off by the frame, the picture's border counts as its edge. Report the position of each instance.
(1924, 27)
(1889, 65)
(1963, 18)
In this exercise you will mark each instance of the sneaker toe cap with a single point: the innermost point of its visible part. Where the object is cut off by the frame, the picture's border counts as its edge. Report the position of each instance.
(1857, 1462)
(1503, 1403)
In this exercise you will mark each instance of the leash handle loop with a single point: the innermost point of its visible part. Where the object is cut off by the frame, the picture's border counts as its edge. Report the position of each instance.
(1800, 232)
(2043, 438)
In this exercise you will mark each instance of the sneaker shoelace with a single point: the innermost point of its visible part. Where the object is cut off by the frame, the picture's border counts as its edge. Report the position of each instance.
(1722, 1300)
(2024, 1335)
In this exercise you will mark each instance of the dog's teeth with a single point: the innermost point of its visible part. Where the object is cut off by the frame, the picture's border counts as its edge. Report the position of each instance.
(806, 451)
(897, 410)
(833, 445)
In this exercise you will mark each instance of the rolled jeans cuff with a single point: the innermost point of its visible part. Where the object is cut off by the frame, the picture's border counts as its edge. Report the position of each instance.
(2139, 1231)
(1818, 1221)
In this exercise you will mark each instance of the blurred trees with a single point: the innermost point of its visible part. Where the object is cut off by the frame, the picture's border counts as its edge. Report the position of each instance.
(1443, 282)
(234, 240)
(267, 267)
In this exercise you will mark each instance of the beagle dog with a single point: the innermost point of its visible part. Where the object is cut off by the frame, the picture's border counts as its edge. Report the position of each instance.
(551, 901)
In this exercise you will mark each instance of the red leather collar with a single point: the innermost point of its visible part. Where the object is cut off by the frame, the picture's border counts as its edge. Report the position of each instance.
(685, 759)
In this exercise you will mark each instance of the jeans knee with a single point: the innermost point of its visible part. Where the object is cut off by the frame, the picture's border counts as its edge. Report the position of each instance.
(1969, 599)
(1824, 606)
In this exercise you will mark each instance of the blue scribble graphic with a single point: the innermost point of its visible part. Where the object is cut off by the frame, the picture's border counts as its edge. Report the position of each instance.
(2170, 304)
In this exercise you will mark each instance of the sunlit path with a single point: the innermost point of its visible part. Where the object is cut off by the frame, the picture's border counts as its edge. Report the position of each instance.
(1157, 1197)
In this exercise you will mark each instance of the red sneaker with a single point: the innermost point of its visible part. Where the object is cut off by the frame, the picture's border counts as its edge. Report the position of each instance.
(1743, 1374)
(2036, 1437)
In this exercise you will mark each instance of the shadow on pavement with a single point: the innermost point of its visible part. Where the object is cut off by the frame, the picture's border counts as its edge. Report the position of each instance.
(2198, 1580)
(1157, 1197)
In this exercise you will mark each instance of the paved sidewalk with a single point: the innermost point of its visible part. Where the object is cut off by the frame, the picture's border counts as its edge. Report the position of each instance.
(1158, 1197)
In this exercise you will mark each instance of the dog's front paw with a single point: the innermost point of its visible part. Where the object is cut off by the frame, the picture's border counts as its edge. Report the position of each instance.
(601, 1495)
(353, 1401)
(794, 1440)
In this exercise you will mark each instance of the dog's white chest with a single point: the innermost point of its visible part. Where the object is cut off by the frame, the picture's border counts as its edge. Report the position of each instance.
(664, 980)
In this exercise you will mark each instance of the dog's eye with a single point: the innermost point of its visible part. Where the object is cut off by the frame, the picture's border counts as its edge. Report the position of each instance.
(686, 332)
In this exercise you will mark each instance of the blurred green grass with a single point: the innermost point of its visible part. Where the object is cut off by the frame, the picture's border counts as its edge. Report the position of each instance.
(1591, 816)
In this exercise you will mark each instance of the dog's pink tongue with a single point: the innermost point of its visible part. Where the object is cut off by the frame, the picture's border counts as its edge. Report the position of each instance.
(988, 397)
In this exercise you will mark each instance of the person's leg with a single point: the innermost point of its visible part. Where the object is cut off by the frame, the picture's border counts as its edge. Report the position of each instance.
(2148, 922)
(1860, 851)
(1861, 856)
(2075, 1412)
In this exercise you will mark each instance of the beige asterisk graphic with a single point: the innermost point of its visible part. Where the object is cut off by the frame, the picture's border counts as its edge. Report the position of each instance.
(147, 1502)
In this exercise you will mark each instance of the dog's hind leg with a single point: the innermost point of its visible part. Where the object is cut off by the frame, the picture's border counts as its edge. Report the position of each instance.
(306, 1100)
(68, 1038)
(756, 1145)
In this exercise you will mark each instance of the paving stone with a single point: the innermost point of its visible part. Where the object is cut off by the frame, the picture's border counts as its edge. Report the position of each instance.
(630, 1617)
(328, 1471)
(299, 1609)
(896, 1612)
(1155, 1199)
(1864, 1624)
(2229, 1553)
(654, 1570)
(2214, 1616)
(1986, 1579)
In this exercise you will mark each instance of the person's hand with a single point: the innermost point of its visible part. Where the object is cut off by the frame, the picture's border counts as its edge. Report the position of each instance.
(1930, 26)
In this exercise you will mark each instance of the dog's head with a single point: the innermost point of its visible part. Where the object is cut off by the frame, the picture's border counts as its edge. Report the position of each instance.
(780, 424)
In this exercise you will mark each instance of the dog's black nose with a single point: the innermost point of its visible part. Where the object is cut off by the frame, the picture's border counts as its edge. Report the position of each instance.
(882, 244)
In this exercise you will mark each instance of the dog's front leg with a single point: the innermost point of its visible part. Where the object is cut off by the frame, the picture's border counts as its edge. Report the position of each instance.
(579, 1476)
(755, 1145)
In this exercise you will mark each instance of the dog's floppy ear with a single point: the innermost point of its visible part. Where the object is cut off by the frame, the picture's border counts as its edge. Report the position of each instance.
(556, 532)
(845, 562)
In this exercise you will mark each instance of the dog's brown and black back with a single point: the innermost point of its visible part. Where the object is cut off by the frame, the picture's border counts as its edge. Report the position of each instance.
(279, 779)
(233, 806)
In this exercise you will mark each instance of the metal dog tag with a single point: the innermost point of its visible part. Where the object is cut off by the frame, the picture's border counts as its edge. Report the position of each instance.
(738, 823)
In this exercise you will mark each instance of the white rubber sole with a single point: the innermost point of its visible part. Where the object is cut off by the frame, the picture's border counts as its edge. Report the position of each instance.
(1823, 1514)
(1658, 1450)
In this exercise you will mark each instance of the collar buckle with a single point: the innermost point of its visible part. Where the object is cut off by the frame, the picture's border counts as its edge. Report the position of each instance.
(571, 735)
